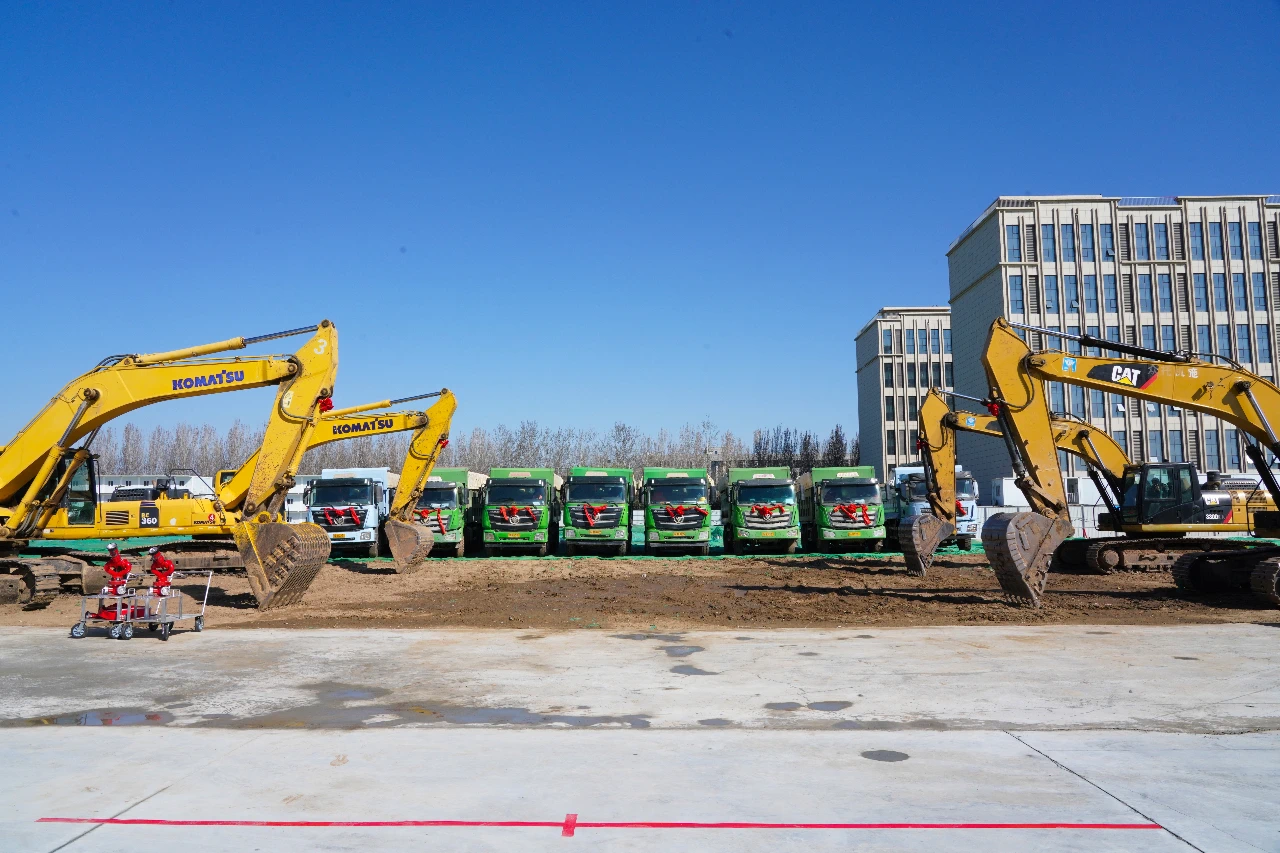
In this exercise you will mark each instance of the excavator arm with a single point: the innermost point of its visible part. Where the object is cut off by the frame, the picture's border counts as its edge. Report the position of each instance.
(411, 542)
(936, 443)
(1020, 545)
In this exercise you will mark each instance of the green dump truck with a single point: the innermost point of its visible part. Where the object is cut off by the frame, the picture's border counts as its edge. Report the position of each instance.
(841, 509)
(760, 511)
(519, 511)
(677, 510)
(444, 507)
(596, 513)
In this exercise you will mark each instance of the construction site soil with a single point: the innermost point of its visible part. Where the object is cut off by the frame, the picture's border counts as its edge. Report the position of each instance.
(674, 594)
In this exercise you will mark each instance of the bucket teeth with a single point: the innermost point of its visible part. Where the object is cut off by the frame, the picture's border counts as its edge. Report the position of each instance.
(410, 544)
(281, 560)
(918, 547)
(1020, 547)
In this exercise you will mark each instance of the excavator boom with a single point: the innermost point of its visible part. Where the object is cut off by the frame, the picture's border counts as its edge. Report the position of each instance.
(411, 540)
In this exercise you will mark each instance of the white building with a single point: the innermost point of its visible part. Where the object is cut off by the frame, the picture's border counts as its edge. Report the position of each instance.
(1199, 273)
(902, 353)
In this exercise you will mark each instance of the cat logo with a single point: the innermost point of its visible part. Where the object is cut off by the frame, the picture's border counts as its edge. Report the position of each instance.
(1128, 375)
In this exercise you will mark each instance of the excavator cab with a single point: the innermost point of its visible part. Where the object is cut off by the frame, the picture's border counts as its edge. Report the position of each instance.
(1162, 494)
(81, 498)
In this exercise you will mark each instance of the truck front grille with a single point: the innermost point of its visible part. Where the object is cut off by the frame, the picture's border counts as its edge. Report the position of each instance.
(670, 518)
(777, 521)
(609, 516)
(516, 518)
(339, 519)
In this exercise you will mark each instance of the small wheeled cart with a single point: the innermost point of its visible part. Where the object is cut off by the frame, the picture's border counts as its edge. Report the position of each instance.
(126, 608)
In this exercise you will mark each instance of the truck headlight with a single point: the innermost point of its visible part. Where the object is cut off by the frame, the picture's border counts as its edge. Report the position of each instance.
(488, 536)
(793, 531)
(653, 536)
(828, 534)
(540, 536)
(366, 535)
(570, 533)
(620, 533)
(742, 531)
(704, 535)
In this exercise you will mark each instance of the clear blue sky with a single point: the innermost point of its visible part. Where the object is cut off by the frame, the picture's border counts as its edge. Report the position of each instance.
(652, 212)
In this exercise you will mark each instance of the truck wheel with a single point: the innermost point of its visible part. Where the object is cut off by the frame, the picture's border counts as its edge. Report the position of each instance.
(965, 543)
(702, 550)
(490, 551)
(374, 552)
(461, 549)
(571, 549)
(738, 548)
(622, 549)
(792, 547)
(542, 550)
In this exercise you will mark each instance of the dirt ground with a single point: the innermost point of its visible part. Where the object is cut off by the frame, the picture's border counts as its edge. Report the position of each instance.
(674, 594)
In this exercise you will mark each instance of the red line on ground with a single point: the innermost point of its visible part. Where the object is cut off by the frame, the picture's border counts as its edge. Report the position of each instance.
(571, 823)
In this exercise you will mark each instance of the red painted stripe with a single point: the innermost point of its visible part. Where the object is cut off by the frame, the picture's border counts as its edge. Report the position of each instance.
(571, 823)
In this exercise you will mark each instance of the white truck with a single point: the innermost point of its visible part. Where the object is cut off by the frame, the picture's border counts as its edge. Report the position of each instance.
(904, 497)
(352, 504)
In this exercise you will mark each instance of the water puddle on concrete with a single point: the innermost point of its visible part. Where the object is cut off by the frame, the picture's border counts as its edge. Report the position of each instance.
(715, 721)
(666, 638)
(106, 717)
(686, 669)
(885, 755)
(839, 705)
(681, 651)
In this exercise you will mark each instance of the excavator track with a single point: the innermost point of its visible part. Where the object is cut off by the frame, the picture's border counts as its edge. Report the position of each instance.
(1125, 554)
(281, 560)
(1264, 581)
(32, 583)
(410, 544)
(1020, 547)
(921, 542)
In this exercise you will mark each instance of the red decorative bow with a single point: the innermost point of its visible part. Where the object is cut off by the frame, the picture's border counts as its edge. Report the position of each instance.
(851, 511)
(593, 512)
(766, 510)
(676, 513)
(425, 515)
(326, 404)
(515, 511)
(332, 515)
(959, 509)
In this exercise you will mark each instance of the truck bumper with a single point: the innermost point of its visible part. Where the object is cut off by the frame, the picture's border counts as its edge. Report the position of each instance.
(354, 537)
(968, 528)
(654, 539)
(762, 536)
(828, 534)
(586, 534)
(496, 539)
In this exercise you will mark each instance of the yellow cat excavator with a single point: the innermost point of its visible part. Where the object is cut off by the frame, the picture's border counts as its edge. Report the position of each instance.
(1163, 502)
(47, 491)
(1104, 458)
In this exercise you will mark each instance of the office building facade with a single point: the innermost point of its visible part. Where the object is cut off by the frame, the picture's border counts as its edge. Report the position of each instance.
(902, 353)
(1174, 273)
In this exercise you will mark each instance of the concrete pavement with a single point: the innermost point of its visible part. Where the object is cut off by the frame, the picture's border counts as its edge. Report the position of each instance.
(960, 738)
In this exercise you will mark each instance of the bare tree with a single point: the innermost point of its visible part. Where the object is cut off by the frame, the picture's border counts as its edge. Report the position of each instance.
(807, 457)
(835, 453)
(107, 449)
(133, 450)
(855, 449)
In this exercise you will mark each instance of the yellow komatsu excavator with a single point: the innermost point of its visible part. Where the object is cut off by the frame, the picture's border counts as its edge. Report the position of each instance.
(938, 424)
(47, 491)
(1160, 503)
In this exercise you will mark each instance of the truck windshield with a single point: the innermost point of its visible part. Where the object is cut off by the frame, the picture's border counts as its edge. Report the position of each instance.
(966, 489)
(767, 494)
(516, 496)
(438, 499)
(915, 490)
(329, 495)
(666, 493)
(847, 494)
(607, 492)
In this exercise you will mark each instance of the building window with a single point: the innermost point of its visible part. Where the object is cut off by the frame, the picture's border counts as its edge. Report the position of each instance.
(1149, 337)
(1244, 352)
(886, 340)
(1108, 242)
(1167, 341)
(1215, 241)
(1120, 437)
(1259, 293)
(1051, 294)
(1165, 291)
(1048, 251)
(1241, 299)
(1068, 243)
(935, 342)
(1015, 295)
(937, 374)
(924, 340)
(1197, 241)
(1013, 243)
(911, 376)
(1113, 334)
(1233, 449)
(1110, 301)
(1091, 294)
(1235, 239)
(946, 341)
(897, 340)
(1255, 240)
(889, 414)
(1212, 456)
(1224, 340)
(1144, 294)
(1143, 242)
(1077, 401)
(1220, 291)
(1097, 403)
(912, 408)
(1263, 337)
(888, 376)
(1057, 402)
(1201, 292)
(1091, 331)
(1073, 346)
(1072, 294)
(890, 445)
(1086, 242)
(1162, 241)
(951, 374)
(1155, 438)
(911, 342)
(1203, 344)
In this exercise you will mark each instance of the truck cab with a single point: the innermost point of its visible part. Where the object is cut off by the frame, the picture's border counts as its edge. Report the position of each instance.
(841, 509)
(905, 496)
(443, 507)
(677, 510)
(351, 505)
(597, 510)
(519, 511)
(763, 511)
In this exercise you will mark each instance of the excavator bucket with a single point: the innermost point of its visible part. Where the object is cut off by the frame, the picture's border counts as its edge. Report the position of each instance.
(410, 544)
(919, 546)
(1020, 546)
(281, 559)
